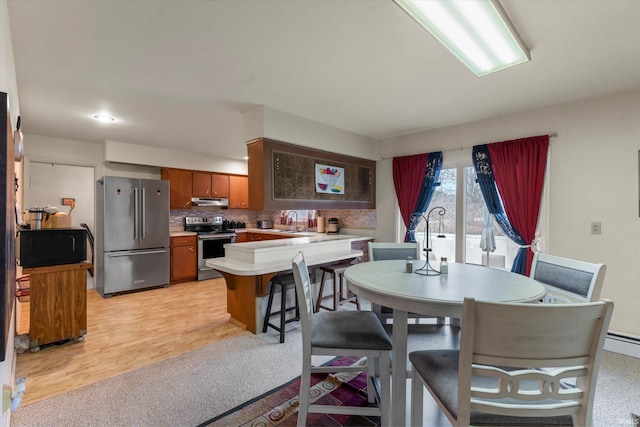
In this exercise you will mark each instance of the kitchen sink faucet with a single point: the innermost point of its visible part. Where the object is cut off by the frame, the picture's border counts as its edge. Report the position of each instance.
(295, 214)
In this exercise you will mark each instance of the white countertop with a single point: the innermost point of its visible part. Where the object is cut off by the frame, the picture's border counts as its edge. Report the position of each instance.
(268, 256)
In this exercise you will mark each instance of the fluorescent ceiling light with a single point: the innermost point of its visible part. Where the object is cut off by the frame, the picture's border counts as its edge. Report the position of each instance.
(478, 32)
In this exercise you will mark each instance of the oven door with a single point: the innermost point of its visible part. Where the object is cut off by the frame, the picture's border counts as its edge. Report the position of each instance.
(211, 247)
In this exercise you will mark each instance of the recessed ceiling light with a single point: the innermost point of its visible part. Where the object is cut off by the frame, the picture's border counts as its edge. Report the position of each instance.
(104, 118)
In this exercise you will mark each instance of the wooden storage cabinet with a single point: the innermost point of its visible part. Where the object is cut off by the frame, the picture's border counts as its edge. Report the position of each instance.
(184, 258)
(180, 187)
(242, 237)
(58, 303)
(238, 192)
(255, 237)
(220, 185)
(206, 184)
(283, 176)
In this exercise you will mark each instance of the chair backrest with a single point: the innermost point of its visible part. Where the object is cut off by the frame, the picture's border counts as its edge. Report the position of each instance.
(305, 297)
(521, 354)
(382, 251)
(568, 280)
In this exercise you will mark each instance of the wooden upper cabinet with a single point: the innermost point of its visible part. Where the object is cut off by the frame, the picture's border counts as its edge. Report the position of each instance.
(201, 184)
(220, 185)
(287, 176)
(180, 187)
(207, 184)
(238, 192)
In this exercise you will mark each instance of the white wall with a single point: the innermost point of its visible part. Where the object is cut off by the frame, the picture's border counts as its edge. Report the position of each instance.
(121, 152)
(300, 131)
(593, 177)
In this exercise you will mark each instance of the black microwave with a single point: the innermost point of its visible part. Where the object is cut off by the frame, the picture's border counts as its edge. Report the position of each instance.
(51, 246)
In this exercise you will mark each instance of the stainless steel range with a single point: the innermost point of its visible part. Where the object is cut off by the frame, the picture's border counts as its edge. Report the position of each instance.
(212, 236)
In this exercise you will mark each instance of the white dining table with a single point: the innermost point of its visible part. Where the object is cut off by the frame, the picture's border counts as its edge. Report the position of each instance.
(388, 284)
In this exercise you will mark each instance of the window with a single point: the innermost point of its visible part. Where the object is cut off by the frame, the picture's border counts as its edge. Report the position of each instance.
(462, 225)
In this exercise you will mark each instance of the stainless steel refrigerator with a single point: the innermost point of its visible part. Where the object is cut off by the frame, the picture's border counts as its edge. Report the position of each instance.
(132, 234)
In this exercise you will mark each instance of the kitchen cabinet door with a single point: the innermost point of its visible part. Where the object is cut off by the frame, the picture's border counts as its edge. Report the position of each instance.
(201, 184)
(180, 187)
(242, 237)
(184, 258)
(238, 192)
(220, 185)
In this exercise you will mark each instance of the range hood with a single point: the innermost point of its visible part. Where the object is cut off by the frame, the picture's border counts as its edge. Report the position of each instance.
(210, 201)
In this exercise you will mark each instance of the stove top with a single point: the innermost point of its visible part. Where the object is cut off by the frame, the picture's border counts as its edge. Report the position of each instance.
(214, 232)
(205, 225)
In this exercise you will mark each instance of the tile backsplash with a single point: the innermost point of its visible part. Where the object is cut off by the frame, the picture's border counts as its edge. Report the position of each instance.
(348, 218)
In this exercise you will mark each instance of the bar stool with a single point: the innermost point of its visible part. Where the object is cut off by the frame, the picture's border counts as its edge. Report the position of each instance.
(337, 271)
(285, 281)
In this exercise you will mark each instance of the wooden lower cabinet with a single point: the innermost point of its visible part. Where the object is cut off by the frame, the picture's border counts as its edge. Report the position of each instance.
(242, 237)
(58, 303)
(184, 258)
(256, 237)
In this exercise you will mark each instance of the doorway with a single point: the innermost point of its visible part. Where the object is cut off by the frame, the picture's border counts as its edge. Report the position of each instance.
(47, 184)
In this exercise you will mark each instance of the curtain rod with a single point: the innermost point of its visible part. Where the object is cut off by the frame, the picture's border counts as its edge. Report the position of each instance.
(551, 135)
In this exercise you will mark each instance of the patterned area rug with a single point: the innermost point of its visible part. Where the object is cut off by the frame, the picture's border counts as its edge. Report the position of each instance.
(279, 407)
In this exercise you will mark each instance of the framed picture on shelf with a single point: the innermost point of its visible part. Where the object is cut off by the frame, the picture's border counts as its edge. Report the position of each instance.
(329, 179)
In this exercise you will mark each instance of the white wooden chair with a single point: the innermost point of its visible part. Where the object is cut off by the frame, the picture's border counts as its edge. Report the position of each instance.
(386, 251)
(567, 280)
(341, 333)
(509, 373)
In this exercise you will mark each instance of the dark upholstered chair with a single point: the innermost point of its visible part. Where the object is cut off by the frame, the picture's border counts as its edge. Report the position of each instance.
(508, 373)
(567, 280)
(387, 251)
(341, 333)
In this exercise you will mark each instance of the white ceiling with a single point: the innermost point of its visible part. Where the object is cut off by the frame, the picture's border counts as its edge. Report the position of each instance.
(181, 74)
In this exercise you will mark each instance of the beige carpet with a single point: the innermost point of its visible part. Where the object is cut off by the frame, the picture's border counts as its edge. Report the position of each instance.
(183, 391)
(193, 388)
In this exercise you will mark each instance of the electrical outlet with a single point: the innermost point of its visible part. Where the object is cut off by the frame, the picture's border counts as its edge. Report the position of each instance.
(596, 228)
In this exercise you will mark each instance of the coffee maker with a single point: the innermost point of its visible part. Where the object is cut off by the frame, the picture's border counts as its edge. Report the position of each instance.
(332, 226)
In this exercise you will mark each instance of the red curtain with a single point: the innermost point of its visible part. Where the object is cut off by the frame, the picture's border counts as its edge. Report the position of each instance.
(408, 175)
(518, 169)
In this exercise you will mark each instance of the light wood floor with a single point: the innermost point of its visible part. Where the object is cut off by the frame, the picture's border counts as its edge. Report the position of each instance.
(127, 332)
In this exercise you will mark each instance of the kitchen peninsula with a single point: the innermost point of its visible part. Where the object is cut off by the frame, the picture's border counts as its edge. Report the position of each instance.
(248, 267)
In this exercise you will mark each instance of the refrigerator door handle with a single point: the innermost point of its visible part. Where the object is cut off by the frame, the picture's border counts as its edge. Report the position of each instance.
(129, 253)
(144, 213)
(136, 213)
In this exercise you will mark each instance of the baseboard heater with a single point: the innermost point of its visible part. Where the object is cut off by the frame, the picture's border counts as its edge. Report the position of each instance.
(623, 344)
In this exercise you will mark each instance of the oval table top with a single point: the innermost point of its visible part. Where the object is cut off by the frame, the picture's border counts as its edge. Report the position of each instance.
(387, 283)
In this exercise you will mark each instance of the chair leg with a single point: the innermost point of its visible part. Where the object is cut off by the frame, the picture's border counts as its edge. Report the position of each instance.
(319, 300)
(269, 304)
(346, 296)
(303, 396)
(417, 389)
(283, 310)
(371, 374)
(335, 292)
(295, 291)
(385, 388)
